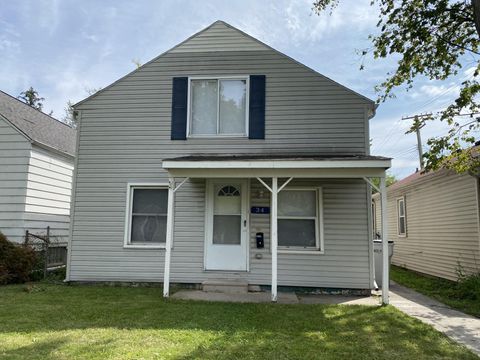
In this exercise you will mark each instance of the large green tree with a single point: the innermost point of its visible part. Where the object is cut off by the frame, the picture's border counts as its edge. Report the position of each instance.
(435, 39)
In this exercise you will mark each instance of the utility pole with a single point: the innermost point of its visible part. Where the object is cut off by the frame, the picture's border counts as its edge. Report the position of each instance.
(417, 125)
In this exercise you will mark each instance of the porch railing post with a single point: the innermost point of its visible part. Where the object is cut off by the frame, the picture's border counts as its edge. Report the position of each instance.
(274, 237)
(385, 268)
(169, 239)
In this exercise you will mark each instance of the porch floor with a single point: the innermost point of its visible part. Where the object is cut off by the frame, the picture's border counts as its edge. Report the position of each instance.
(283, 298)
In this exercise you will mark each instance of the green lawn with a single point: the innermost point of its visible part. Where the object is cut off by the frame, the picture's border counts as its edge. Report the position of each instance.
(461, 297)
(94, 322)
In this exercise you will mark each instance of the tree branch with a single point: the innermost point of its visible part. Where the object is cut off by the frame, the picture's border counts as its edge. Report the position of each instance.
(456, 45)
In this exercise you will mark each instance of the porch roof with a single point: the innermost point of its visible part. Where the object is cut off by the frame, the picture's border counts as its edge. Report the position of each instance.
(279, 165)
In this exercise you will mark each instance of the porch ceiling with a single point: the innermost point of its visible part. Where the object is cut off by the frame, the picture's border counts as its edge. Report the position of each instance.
(266, 165)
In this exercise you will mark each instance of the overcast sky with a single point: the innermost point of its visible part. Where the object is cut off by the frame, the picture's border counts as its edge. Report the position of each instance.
(62, 48)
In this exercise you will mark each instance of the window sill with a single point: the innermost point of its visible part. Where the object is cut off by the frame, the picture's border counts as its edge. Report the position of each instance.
(223, 136)
(305, 252)
(147, 247)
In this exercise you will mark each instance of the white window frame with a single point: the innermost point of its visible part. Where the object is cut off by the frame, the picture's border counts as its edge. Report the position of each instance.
(218, 78)
(319, 239)
(128, 215)
(401, 199)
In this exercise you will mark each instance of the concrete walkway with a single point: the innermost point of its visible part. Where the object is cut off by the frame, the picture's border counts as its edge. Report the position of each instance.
(283, 298)
(462, 328)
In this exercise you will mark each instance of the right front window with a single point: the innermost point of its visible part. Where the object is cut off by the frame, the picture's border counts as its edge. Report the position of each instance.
(299, 219)
(401, 217)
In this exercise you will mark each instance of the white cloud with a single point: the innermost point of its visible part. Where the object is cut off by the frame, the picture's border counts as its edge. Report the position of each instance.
(440, 90)
(47, 14)
(470, 71)
(91, 37)
(304, 25)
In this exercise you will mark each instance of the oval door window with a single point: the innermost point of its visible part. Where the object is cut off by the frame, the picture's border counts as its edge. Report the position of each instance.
(227, 216)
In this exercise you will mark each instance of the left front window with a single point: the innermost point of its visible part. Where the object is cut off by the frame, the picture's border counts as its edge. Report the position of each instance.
(147, 216)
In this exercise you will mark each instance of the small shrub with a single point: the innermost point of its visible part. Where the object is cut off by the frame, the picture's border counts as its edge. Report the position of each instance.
(16, 261)
(468, 287)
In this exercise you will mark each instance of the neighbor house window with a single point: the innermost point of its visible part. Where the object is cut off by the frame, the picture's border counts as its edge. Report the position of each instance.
(218, 107)
(146, 223)
(299, 219)
(401, 217)
(374, 218)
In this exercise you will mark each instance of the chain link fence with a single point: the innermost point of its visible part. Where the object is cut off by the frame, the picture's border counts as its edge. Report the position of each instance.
(51, 251)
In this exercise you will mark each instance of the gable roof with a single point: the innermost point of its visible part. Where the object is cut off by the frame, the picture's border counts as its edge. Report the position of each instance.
(406, 181)
(220, 36)
(218, 41)
(37, 126)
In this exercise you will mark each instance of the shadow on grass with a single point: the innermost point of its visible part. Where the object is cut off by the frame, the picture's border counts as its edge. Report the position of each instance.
(217, 330)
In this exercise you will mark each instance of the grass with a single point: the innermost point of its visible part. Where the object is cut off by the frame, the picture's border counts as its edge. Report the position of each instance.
(95, 322)
(462, 296)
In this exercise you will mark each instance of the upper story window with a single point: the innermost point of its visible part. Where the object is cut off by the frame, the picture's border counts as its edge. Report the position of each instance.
(218, 106)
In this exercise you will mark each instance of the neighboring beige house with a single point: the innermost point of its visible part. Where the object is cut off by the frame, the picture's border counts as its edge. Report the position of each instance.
(36, 166)
(434, 221)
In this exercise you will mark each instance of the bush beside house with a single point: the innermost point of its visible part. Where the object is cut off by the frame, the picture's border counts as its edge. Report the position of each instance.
(16, 261)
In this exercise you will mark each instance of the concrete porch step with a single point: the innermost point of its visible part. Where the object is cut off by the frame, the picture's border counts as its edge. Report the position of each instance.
(226, 286)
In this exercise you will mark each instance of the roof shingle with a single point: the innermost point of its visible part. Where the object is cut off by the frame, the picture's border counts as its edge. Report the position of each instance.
(37, 126)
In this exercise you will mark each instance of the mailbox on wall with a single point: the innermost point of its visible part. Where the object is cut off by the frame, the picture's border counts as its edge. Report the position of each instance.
(259, 239)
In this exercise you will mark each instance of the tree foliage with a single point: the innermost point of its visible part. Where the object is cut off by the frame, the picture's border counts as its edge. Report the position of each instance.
(70, 117)
(435, 39)
(389, 180)
(30, 97)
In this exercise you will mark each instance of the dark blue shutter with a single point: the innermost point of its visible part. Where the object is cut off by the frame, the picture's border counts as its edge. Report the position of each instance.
(179, 108)
(256, 115)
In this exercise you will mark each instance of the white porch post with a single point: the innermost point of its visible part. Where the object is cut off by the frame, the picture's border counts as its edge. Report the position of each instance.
(169, 240)
(385, 269)
(274, 237)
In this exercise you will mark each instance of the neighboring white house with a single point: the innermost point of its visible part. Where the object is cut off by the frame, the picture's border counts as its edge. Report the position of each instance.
(435, 223)
(36, 166)
(224, 160)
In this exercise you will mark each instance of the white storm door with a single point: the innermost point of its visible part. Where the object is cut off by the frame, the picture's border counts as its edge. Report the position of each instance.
(226, 242)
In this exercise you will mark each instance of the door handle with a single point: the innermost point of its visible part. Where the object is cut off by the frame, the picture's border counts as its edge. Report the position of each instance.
(244, 223)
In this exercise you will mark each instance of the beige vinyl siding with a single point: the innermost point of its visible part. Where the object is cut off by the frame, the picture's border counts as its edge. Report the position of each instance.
(378, 214)
(124, 135)
(14, 156)
(442, 224)
(98, 253)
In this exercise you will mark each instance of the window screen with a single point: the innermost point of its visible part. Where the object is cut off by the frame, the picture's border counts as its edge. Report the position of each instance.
(402, 218)
(298, 219)
(149, 216)
(218, 107)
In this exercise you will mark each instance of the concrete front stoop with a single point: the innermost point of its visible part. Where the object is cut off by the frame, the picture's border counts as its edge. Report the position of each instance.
(225, 286)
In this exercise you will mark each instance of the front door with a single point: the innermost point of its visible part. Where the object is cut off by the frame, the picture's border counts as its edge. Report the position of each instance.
(226, 226)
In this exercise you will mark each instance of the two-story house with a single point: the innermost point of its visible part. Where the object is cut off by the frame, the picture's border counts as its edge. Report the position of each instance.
(224, 160)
